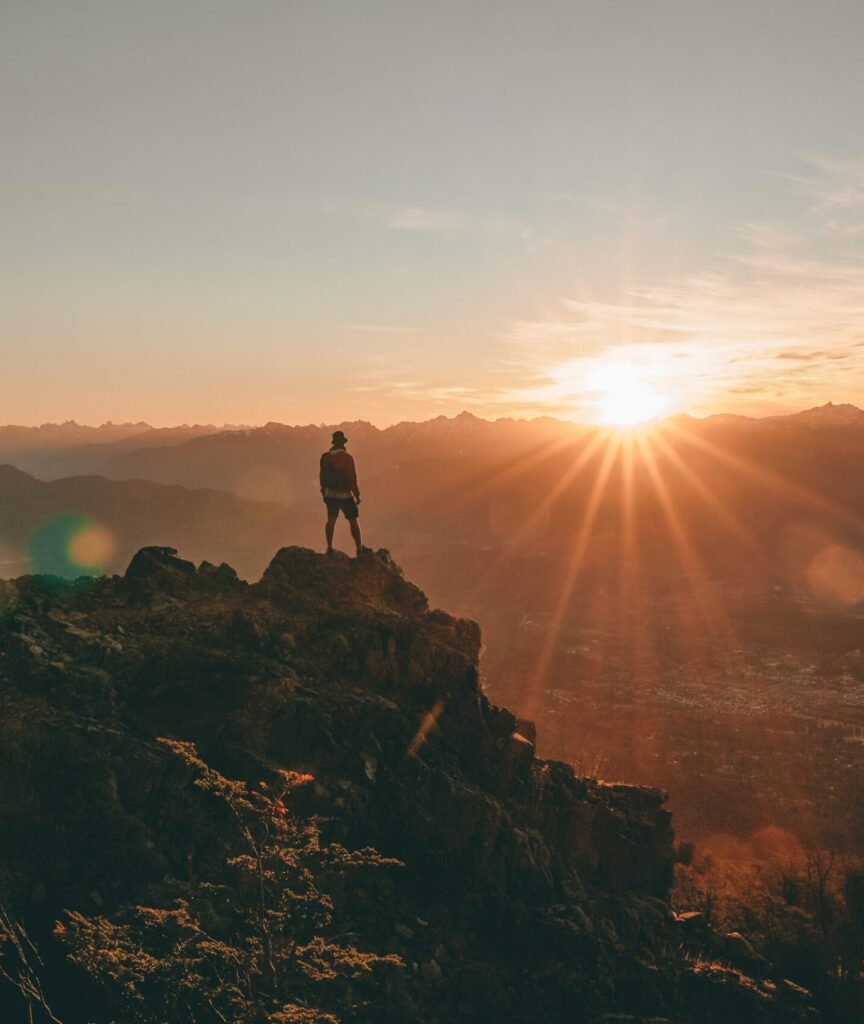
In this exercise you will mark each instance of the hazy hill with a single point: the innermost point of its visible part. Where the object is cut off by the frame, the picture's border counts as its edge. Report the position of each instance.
(51, 435)
(280, 463)
(39, 524)
(28, 447)
(93, 456)
(825, 417)
(64, 449)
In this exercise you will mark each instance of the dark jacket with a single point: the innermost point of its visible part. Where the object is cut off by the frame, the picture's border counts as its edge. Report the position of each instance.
(338, 472)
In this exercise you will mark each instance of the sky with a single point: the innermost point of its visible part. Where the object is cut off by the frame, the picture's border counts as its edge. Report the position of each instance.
(326, 210)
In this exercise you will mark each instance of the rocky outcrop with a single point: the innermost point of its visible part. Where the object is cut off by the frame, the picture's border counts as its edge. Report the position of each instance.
(529, 894)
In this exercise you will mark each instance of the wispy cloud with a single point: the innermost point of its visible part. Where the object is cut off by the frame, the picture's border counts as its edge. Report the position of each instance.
(773, 322)
(418, 218)
(434, 220)
(808, 357)
(780, 315)
(836, 191)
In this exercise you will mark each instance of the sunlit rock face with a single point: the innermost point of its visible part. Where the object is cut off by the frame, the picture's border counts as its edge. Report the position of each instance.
(528, 894)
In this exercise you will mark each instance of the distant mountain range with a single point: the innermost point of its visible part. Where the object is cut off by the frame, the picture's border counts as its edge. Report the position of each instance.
(53, 434)
(718, 562)
(829, 415)
(733, 485)
(76, 448)
(276, 462)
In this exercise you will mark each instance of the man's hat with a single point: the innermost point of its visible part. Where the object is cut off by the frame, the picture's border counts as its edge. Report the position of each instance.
(339, 437)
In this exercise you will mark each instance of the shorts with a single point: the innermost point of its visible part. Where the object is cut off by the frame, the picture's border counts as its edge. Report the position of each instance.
(347, 506)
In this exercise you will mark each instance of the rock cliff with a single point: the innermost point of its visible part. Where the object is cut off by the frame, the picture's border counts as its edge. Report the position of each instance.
(528, 894)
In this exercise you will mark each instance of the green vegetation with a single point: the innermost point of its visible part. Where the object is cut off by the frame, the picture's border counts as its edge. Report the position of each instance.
(251, 947)
(803, 912)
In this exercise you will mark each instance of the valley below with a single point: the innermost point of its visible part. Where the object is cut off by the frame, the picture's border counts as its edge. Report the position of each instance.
(683, 609)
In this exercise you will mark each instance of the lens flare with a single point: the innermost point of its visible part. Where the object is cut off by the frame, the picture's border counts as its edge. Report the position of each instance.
(93, 546)
(836, 574)
(70, 546)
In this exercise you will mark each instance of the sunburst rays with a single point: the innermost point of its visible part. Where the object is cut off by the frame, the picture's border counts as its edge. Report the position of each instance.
(622, 492)
(572, 564)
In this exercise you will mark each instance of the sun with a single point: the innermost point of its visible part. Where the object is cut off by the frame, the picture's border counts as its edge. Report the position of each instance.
(625, 397)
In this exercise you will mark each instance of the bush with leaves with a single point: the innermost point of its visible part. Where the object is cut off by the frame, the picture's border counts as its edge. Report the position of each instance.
(254, 949)
(804, 913)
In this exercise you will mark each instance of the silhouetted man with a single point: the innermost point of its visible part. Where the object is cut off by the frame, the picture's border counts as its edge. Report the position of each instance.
(340, 491)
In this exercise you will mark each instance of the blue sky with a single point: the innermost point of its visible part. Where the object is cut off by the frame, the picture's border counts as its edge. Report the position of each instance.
(316, 211)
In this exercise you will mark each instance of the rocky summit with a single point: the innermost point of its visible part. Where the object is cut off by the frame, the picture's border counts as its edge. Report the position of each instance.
(527, 894)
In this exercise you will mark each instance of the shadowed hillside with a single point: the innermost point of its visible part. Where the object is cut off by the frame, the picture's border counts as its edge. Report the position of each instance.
(88, 524)
(527, 893)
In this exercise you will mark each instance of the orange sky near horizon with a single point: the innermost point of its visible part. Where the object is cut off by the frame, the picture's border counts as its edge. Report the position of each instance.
(301, 218)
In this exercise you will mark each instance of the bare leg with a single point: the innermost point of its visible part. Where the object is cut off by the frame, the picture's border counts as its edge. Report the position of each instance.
(355, 533)
(328, 532)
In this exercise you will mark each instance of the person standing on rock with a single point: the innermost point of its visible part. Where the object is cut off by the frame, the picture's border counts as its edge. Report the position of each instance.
(339, 490)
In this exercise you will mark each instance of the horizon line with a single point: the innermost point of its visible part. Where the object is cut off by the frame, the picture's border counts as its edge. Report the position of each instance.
(145, 426)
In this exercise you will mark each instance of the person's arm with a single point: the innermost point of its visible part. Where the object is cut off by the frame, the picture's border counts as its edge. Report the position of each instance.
(321, 473)
(352, 478)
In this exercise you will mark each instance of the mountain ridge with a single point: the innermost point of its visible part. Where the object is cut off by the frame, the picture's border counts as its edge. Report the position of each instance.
(39, 518)
(130, 429)
(529, 894)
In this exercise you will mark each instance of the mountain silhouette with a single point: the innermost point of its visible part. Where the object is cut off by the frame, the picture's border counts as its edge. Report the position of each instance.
(527, 893)
(39, 518)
